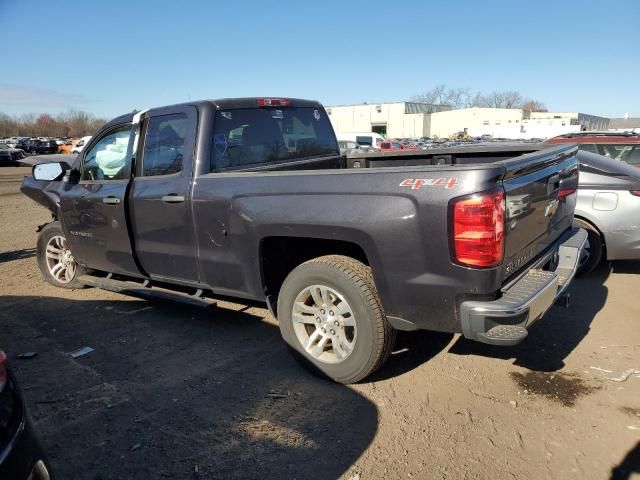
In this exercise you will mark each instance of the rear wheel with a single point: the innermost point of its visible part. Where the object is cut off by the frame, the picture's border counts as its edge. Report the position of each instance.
(55, 259)
(330, 315)
(593, 249)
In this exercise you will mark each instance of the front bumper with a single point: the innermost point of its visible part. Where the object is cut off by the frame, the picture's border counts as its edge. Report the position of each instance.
(505, 321)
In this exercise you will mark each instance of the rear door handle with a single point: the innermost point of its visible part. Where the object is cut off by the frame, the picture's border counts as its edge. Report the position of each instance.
(111, 200)
(173, 199)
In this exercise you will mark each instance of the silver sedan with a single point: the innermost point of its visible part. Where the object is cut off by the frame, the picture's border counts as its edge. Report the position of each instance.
(608, 207)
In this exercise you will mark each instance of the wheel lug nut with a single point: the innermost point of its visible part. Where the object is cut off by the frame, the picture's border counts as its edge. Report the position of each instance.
(322, 312)
(336, 323)
(318, 319)
(331, 312)
(333, 332)
(324, 330)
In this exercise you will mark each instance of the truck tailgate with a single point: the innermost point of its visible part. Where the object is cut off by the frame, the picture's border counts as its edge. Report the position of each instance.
(540, 199)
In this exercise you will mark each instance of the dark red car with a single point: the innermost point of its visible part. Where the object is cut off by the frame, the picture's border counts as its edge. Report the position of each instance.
(623, 146)
(394, 146)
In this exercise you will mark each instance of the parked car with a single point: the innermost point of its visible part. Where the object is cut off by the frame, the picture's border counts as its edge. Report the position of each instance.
(391, 146)
(40, 147)
(251, 198)
(67, 146)
(21, 455)
(364, 139)
(617, 145)
(10, 156)
(347, 146)
(79, 145)
(608, 208)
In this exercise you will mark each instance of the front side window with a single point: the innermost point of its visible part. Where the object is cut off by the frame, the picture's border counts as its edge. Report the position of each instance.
(107, 159)
(164, 145)
(252, 137)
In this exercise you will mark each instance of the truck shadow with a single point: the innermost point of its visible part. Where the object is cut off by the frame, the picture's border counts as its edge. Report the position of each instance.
(554, 337)
(177, 392)
(411, 350)
(17, 255)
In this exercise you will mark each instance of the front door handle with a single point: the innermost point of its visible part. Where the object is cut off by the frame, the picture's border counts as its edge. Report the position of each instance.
(111, 200)
(173, 199)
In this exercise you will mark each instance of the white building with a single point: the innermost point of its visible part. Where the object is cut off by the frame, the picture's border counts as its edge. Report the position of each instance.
(417, 120)
(476, 121)
(392, 120)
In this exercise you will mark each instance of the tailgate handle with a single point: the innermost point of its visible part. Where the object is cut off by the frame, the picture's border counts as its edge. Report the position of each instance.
(111, 200)
(173, 198)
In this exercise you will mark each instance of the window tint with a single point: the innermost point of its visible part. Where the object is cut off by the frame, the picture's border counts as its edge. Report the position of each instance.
(107, 159)
(251, 137)
(587, 147)
(164, 145)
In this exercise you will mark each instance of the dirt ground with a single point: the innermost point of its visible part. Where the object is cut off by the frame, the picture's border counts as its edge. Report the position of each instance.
(172, 391)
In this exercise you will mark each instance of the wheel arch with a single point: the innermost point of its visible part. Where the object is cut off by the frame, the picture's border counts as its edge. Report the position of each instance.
(592, 224)
(279, 255)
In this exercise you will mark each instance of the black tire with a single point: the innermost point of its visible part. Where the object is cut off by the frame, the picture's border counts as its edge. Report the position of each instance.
(593, 250)
(66, 278)
(354, 282)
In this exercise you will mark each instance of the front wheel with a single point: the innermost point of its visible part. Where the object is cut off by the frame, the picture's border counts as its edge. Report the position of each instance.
(56, 262)
(330, 315)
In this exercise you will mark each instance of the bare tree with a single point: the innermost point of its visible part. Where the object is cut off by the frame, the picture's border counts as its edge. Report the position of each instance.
(436, 96)
(530, 105)
(72, 123)
(463, 98)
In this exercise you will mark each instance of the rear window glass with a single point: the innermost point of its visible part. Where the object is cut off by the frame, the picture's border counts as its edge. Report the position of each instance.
(364, 140)
(246, 138)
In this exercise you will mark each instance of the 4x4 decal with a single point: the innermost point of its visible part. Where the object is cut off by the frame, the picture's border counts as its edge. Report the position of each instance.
(418, 183)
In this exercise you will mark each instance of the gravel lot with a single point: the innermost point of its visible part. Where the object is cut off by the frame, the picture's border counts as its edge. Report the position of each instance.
(177, 392)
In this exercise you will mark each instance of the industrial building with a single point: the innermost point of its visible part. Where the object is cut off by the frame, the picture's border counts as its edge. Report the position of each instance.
(417, 120)
(391, 120)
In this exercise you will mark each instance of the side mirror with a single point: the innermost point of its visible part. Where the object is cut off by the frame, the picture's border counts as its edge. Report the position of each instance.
(49, 171)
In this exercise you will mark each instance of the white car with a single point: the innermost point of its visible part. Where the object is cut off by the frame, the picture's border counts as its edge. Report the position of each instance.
(77, 148)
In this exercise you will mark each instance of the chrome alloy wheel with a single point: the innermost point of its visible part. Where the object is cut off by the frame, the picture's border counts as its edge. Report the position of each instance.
(60, 261)
(324, 324)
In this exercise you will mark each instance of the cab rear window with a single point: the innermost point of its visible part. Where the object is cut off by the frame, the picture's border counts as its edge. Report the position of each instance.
(253, 137)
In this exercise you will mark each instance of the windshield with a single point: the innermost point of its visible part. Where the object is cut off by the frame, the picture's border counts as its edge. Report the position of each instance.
(246, 138)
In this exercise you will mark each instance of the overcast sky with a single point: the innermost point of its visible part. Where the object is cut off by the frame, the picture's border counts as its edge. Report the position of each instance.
(112, 57)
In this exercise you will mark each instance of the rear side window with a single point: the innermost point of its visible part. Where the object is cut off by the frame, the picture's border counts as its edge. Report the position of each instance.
(626, 153)
(164, 145)
(252, 137)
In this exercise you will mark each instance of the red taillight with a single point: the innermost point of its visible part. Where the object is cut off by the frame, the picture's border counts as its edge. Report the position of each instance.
(565, 192)
(478, 229)
(635, 192)
(274, 102)
(3, 370)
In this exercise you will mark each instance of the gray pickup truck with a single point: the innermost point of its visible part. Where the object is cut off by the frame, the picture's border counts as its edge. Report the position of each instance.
(250, 198)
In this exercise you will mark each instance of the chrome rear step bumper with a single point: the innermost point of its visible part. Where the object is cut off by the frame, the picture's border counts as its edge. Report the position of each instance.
(505, 321)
